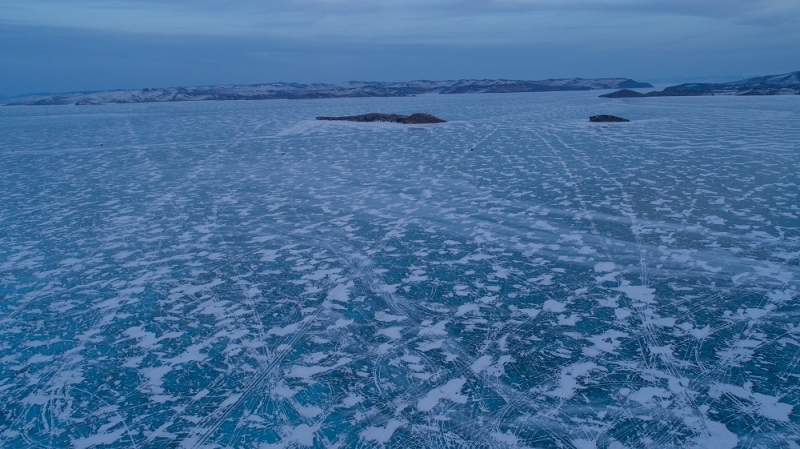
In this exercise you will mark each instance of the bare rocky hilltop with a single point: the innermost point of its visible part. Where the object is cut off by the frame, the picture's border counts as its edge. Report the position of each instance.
(786, 84)
(308, 91)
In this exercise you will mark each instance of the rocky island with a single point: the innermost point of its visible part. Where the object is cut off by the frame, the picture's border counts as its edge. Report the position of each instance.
(786, 84)
(417, 118)
(607, 119)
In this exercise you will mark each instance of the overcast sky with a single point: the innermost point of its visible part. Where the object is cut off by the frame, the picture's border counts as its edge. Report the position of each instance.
(69, 45)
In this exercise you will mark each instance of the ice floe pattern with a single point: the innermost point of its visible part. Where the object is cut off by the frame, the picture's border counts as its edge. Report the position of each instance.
(238, 275)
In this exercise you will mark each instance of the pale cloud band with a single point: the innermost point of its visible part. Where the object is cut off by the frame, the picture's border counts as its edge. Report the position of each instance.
(446, 21)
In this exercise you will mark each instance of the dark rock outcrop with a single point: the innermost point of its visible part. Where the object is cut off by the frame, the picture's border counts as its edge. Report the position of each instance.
(413, 119)
(607, 119)
(627, 93)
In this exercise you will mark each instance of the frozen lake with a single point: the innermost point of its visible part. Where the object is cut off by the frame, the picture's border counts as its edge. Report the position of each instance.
(236, 274)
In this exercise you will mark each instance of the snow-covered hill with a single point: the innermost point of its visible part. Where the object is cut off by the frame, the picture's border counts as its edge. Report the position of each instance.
(787, 83)
(306, 91)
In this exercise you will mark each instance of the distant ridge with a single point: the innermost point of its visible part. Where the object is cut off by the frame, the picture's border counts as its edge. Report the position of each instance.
(786, 84)
(307, 91)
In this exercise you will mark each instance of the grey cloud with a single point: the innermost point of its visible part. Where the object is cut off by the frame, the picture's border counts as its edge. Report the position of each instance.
(360, 18)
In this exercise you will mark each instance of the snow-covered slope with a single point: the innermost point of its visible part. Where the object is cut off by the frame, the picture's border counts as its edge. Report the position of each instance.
(786, 84)
(762, 85)
(348, 89)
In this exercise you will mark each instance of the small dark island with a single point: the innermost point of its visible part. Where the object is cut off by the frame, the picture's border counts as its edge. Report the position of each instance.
(627, 93)
(607, 119)
(413, 119)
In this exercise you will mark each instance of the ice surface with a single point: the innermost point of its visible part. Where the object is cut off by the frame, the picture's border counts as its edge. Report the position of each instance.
(237, 274)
